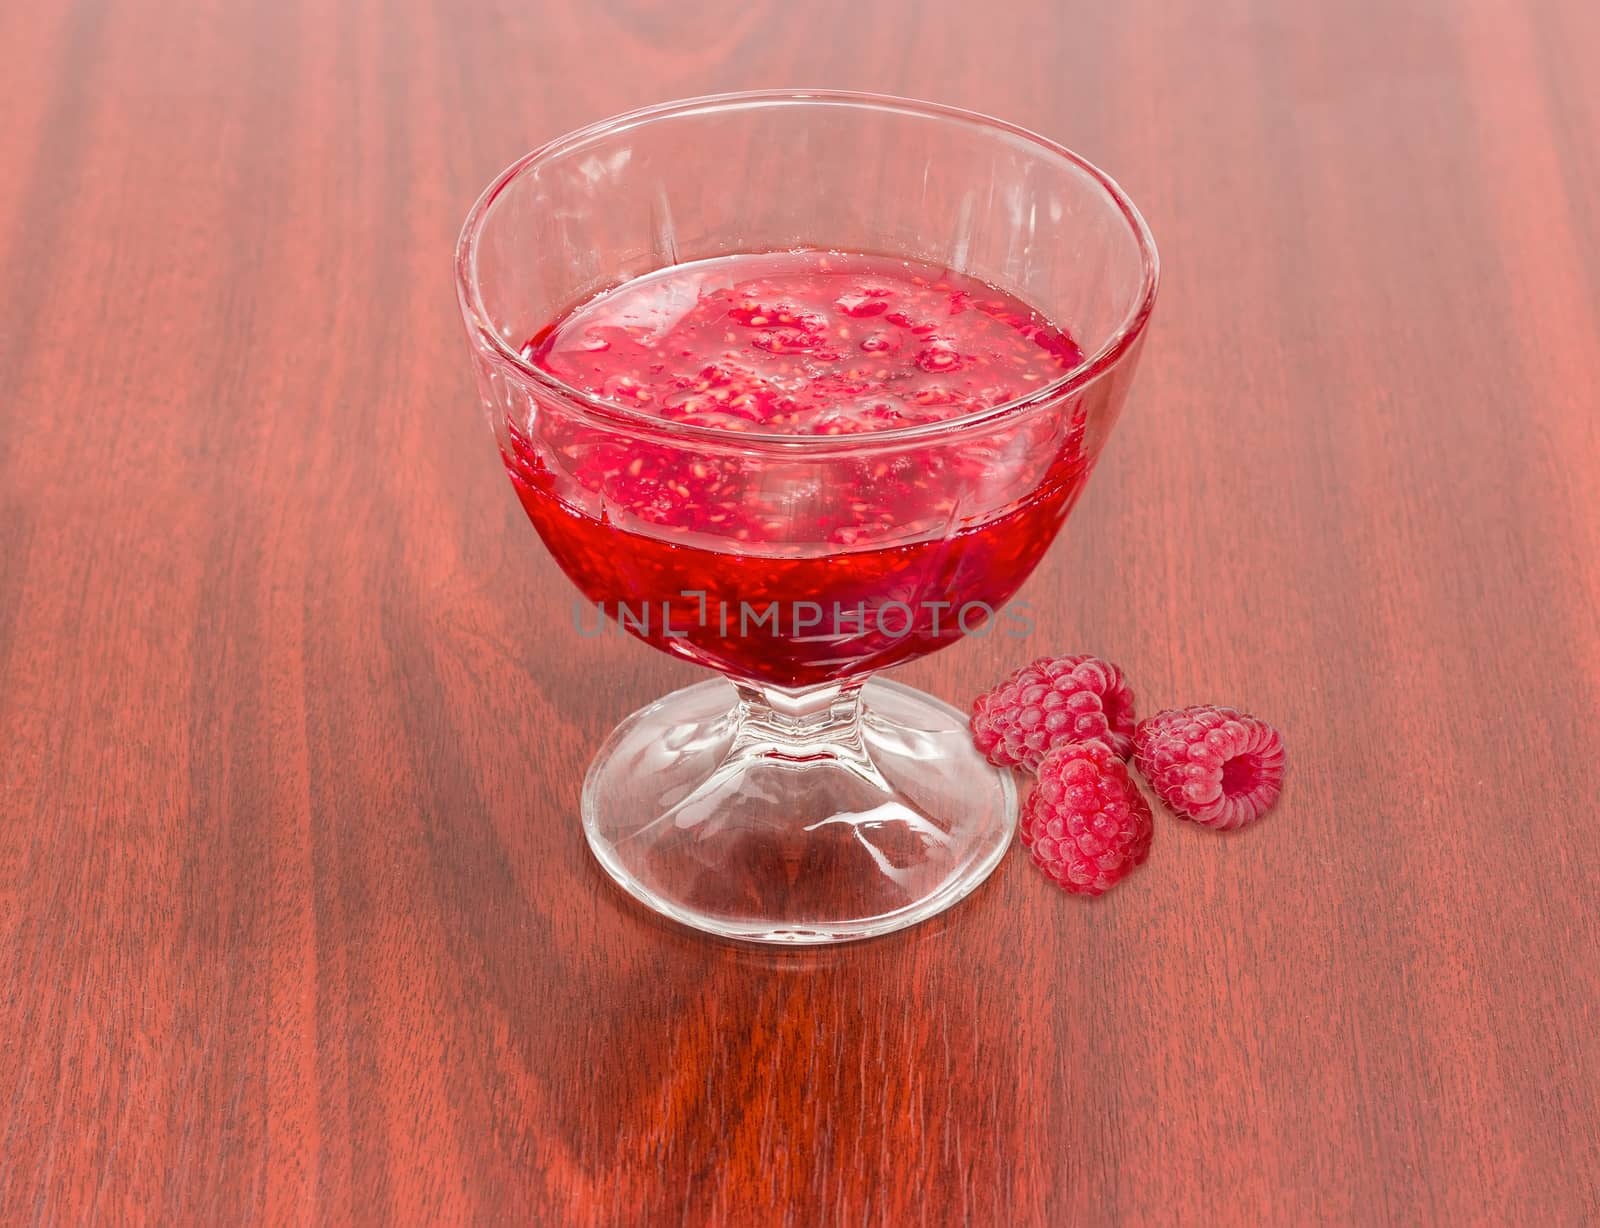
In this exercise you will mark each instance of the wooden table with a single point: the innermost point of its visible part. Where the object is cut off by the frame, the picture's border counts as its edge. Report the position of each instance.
(296, 920)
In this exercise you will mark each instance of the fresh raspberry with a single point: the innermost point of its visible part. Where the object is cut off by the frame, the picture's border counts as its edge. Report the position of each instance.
(1050, 702)
(1086, 824)
(1219, 767)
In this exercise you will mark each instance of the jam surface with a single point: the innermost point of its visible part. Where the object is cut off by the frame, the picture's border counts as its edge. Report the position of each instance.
(805, 343)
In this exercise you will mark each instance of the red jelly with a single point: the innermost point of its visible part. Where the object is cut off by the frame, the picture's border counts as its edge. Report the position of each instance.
(801, 557)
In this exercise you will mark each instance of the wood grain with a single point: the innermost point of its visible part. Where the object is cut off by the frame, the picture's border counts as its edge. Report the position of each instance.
(296, 920)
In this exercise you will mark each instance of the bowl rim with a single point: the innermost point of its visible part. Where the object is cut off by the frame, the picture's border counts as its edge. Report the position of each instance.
(1093, 366)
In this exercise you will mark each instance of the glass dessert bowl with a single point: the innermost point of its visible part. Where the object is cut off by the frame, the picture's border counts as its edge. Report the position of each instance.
(799, 386)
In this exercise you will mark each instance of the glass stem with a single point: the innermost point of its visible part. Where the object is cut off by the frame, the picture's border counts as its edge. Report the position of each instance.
(801, 726)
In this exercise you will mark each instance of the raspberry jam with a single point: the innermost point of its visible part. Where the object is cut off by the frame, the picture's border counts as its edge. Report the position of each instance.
(801, 564)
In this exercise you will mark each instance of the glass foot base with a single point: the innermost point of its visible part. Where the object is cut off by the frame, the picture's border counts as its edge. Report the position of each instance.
(881, 816)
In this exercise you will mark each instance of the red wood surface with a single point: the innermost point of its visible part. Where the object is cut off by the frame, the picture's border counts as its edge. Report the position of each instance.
(296, 920)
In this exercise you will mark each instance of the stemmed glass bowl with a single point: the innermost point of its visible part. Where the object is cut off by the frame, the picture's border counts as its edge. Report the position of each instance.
(795, 799)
